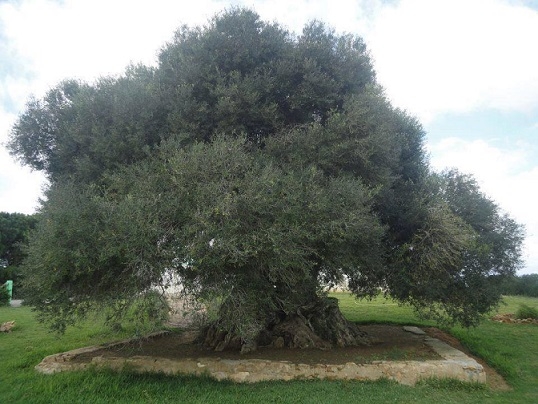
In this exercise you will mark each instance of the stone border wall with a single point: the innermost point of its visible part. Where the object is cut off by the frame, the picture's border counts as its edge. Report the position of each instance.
(455, 365)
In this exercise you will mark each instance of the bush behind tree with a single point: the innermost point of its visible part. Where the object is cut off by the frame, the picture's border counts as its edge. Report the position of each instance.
(523, 285)
(4, 295)
(14, 231)
(525, 311)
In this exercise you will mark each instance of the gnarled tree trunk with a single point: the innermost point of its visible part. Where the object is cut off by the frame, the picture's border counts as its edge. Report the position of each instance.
(318, 325)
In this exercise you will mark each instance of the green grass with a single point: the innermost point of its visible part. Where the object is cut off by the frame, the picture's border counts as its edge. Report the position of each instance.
(511, 348)
(510, 304)
(377, 311)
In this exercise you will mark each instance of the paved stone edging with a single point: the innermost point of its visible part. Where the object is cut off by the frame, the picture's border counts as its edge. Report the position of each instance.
(455, 364)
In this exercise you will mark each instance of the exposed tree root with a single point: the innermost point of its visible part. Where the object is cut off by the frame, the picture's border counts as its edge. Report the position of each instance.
(319, 325)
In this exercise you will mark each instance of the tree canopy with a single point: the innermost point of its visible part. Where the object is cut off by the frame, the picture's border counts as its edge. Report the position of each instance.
(258, 167)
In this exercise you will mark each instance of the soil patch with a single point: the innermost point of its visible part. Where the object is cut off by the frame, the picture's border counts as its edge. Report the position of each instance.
(392, 343)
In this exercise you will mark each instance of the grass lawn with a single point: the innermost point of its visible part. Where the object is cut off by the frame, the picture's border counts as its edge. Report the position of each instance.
(511, 348)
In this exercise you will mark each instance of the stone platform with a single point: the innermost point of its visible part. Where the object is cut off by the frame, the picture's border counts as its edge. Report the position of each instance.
(453, 364)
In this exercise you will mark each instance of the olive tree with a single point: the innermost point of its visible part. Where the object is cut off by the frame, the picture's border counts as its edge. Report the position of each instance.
(257, 167)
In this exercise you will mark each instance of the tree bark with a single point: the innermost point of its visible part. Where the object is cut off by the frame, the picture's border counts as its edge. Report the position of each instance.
(318, 325)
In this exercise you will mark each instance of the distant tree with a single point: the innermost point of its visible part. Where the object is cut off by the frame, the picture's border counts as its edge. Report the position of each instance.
(14, 232)
(528, 285)
(258, 167)
(523, 285)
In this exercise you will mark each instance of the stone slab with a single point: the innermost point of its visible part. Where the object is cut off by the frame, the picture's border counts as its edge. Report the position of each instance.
(454, 364)
(414, 330)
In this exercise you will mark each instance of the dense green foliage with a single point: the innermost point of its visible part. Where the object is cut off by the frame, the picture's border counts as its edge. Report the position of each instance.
(14, 231)
(524, 285)
(255, 167)
(524, 311)
(4, 295)
(467, 248)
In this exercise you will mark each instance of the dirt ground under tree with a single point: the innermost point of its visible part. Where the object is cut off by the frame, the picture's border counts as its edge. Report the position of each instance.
(390, 343)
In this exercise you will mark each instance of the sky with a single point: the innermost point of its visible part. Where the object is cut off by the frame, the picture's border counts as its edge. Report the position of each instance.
(467, 69)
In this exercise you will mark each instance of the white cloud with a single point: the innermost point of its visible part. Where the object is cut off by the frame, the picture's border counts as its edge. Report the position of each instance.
(14, 91)
(352, 16)
(503, 175)
(87, 39)
(20, 188)
(478, 156)
(457, 55)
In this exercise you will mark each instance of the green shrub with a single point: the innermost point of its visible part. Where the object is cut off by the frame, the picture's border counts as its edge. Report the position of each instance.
(525, 311)
(4, 296)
